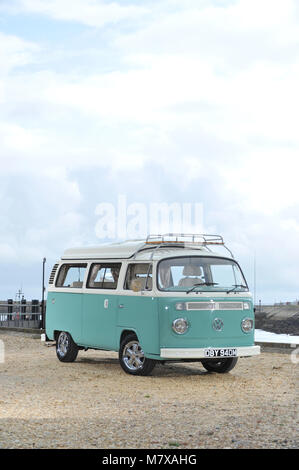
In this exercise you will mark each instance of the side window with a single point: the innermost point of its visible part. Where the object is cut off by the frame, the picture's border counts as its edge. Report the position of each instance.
(71, 275)
(103, 276)
(139, 277)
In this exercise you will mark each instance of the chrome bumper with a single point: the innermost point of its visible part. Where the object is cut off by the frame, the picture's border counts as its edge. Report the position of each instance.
(199, 353)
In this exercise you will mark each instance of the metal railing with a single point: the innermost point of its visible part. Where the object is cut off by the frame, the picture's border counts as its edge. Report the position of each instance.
(15, 314)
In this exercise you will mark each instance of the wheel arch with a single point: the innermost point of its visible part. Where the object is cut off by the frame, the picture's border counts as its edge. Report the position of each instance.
(56, 334)
(125, 332)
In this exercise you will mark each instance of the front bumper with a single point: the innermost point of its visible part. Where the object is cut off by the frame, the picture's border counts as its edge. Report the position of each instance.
(199, 353)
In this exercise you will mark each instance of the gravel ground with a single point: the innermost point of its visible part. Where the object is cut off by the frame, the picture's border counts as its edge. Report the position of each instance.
(92, 403)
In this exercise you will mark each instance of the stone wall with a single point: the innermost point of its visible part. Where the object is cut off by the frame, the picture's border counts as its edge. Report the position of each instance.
(278, 318)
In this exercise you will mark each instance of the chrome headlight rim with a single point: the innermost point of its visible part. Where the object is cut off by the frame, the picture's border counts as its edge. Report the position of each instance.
(249, 328)
(178, 329)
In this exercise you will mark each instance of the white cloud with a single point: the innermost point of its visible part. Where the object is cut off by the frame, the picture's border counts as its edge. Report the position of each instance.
(190, 100)
(94, 13)
(290, 224)
(7, 253)
(16, 52)
(235, 32)
(39, 210)
(264, 180)
(16, 138)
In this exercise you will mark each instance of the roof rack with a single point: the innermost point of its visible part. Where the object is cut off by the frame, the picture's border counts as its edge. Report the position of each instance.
(202, 239)
(182, 239)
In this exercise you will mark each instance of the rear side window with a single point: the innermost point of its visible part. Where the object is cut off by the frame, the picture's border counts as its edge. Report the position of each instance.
(139, 277)
(71, 275)
(103, 276)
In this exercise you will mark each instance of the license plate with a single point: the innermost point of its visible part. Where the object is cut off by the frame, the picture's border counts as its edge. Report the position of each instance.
(220, 352)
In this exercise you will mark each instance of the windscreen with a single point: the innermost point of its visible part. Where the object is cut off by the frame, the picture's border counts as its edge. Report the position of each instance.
(200, 273)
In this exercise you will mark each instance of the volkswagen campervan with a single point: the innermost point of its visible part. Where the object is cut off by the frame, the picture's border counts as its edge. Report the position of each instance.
(166, 298)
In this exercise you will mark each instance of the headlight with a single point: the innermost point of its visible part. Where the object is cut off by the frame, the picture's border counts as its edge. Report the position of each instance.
(247, 325)
(246, 306)
(181, 306)
(180, 326)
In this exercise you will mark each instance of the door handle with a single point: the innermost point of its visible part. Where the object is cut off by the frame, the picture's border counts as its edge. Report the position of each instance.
(121, 306)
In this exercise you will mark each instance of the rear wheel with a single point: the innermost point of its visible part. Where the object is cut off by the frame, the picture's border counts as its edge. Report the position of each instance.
(219, 365)
(132, 358)
(66, 349)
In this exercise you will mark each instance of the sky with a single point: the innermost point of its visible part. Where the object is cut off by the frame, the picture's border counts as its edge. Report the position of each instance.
(166, 101)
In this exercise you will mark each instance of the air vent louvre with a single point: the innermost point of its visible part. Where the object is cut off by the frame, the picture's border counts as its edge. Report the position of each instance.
(215, 306)
(230, 305)
(201, 305)
(53, 272)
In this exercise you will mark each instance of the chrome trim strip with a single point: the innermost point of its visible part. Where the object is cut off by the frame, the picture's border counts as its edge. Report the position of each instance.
(214, 305)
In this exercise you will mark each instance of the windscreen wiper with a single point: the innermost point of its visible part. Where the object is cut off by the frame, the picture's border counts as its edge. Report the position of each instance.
(202, 284)
(235, 287)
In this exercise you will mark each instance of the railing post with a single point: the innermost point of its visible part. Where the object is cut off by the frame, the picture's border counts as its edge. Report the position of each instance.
(9, 309)
(43, 296)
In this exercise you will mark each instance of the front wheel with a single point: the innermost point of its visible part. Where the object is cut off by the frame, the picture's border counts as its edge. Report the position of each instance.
(66, 349)
(132, 359)
(219, 365)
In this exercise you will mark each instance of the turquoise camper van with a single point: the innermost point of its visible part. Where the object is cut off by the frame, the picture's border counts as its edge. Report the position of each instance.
(166, 298)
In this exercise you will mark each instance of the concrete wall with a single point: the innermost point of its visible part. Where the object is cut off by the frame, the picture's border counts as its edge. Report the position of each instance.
(278, 318)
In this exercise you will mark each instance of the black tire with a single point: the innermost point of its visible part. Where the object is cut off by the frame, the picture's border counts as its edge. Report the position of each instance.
(66, 349)
(222, 366)
(131, 357)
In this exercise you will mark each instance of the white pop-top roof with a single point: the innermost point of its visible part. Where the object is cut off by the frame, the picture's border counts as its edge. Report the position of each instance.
(151, 248)
(107, 250)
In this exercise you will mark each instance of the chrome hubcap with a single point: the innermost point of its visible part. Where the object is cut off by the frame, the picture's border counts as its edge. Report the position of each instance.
(133, 356)
(62, 344)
